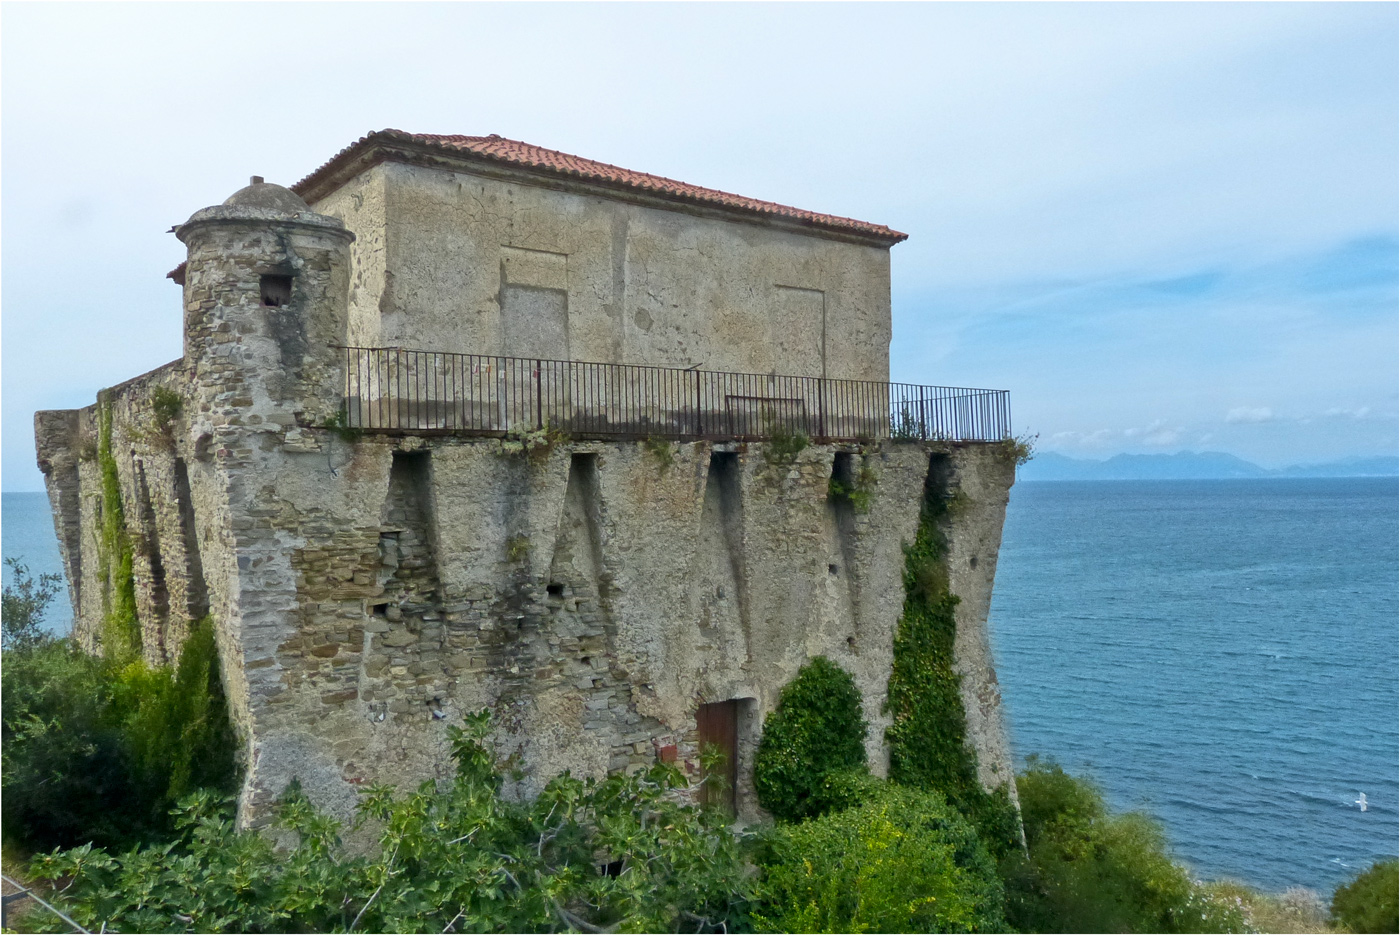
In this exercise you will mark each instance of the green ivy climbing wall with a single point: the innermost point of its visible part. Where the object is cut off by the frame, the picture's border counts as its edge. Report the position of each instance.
(928, 734)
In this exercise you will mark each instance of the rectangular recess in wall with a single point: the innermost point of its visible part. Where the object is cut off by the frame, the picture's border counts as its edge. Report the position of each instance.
(542, 269)
(799, 331)
(534, 302)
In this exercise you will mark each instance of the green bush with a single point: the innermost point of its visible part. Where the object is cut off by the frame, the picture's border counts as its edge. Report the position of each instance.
(1370, 902)
(927, 735)
(175, 721)
(97, 751)
(166, 406)
(65, 774)
(1087, 870)
(901, 862)
(816, 730)
(23, 605)
(783, 447)
(623, 854)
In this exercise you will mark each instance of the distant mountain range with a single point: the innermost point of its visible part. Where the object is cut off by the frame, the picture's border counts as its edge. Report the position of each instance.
(1193, 465)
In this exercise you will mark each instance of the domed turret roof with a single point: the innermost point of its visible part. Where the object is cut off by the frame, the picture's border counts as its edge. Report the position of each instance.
(269, 197)
(261, 202)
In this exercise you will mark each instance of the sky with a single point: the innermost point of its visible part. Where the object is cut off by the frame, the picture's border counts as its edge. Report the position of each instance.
(1161, 226)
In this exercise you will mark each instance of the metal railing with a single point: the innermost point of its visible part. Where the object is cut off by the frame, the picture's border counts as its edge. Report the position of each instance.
(389, 389)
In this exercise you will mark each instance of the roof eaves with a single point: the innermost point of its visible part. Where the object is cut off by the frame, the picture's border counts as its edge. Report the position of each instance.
(396, 145)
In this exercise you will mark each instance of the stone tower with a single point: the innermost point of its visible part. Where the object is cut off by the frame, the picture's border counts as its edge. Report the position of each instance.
(264, 268)
(265, 285)
(387, 538)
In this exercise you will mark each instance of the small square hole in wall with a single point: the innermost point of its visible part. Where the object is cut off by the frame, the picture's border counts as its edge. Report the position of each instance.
(276, 291)
(380, 610)
(555, 590)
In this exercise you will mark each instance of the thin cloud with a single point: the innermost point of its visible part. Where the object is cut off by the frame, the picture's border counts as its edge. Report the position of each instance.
(1157, 434)
(1249, 414)
(1163, 437)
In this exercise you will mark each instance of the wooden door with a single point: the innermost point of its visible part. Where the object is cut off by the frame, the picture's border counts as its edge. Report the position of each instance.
(718, 726)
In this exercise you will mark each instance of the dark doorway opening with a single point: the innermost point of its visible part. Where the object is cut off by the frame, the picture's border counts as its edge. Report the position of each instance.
(718, 727)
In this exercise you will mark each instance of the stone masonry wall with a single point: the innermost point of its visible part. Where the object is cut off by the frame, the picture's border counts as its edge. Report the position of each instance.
(153, 481)
(593, 598)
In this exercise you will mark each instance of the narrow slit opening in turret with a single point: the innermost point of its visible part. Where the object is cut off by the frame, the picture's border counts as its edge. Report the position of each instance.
(276, 290)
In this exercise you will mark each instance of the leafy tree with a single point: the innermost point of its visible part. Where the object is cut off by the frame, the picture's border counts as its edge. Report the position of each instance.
(903, 861)
(65, 772)
(23, 606)
(1371, 901)
(95, 751)
(817, 730)
(624, 854)
(1087, 870)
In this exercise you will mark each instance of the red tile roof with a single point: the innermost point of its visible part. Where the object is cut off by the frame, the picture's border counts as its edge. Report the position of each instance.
(550, 162)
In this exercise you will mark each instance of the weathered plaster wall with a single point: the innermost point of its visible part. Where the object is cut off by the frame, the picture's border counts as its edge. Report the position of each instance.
(441, 255)
(360, 203)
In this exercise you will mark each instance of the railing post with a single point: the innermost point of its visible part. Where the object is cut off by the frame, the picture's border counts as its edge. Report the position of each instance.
(539, 397)
(699, 417)
(346, 393)
(821, 407)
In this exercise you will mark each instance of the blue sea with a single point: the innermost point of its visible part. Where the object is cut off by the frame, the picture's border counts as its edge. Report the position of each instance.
(27, 535)
(1221, 653)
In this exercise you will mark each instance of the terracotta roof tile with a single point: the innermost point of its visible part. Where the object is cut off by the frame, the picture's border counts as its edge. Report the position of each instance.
(526, 155)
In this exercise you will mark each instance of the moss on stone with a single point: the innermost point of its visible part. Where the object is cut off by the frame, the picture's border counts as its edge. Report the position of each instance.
(121, 628)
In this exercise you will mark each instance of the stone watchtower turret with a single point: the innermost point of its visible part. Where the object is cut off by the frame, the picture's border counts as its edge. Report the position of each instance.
(265, 288)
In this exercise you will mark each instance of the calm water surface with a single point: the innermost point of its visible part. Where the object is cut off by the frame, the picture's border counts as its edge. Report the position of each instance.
(1223, 653)
(26, 534)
